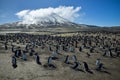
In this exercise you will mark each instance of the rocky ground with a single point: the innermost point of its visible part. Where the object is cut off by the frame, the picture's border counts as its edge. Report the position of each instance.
(29, 70)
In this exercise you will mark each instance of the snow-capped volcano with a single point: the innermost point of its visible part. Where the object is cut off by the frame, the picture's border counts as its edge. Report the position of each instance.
(49, 20)
(52, 20)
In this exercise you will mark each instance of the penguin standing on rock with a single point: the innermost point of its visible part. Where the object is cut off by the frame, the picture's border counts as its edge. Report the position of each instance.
(67, 59)
(24, 56)
(86, 68)
(50, 64)
(37, 59)
(14, 62)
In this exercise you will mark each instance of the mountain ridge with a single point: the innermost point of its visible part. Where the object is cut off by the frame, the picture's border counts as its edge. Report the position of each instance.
(51, 22)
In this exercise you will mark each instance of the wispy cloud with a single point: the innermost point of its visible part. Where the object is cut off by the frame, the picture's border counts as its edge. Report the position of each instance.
(33, 16)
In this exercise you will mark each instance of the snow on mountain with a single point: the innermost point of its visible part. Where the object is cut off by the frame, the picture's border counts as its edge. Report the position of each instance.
(52, 20)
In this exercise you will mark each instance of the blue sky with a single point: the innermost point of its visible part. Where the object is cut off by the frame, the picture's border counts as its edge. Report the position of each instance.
(94, 12)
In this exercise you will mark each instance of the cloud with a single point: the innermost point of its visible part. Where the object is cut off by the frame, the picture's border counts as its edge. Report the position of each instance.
(33, 16)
